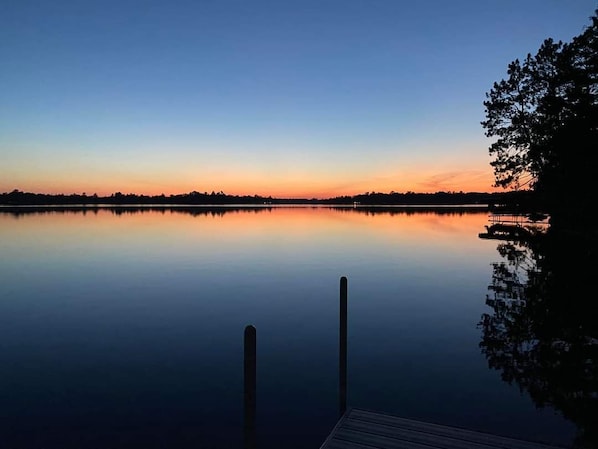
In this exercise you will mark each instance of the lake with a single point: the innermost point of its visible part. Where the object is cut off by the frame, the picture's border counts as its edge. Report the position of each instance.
(123, 328)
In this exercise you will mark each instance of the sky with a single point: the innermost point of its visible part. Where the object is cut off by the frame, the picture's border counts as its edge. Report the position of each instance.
(282, 98)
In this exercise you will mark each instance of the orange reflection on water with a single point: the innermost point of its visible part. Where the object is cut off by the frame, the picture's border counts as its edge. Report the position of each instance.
(255, 224)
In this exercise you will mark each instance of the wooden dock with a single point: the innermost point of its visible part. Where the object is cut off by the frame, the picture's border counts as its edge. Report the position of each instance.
(362, 429)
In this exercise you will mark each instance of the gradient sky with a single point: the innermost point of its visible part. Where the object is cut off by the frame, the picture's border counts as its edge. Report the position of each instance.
(289, 98)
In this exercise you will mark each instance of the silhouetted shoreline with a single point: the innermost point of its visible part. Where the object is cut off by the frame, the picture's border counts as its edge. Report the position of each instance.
(440, 199)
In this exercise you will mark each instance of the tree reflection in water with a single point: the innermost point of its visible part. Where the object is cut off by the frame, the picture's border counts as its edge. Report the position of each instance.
(541, 333)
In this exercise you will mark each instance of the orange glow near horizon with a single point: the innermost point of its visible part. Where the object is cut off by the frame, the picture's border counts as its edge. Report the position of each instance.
(276, 186)
(426, 167)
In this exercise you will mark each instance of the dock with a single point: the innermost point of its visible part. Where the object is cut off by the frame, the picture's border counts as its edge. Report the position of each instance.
(510, 226)
(363, 429)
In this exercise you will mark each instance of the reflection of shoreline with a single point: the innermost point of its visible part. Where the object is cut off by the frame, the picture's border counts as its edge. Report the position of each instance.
(197, 210)
(410, 209)
(541, 332)
(19, 211)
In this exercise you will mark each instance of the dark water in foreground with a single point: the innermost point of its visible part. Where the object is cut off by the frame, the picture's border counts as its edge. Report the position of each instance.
(125, 330)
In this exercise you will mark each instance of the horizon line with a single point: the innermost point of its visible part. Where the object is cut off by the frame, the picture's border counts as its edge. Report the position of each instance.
(222, 193)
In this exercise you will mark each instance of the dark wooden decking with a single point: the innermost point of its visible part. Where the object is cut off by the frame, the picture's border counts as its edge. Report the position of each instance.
(361, 429)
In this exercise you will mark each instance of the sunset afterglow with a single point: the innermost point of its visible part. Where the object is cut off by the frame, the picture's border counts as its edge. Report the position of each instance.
(292, 99)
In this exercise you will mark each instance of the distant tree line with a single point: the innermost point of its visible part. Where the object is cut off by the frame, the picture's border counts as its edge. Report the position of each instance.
(438, 198)
(19, 198)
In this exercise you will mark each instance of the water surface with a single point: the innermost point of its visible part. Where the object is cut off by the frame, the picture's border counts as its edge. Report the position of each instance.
(123, 328)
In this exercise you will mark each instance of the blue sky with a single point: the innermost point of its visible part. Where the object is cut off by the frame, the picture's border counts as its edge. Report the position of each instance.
(284, 98)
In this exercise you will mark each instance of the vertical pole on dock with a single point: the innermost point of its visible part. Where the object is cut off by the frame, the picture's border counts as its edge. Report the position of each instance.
(342, 359)
(249, 378)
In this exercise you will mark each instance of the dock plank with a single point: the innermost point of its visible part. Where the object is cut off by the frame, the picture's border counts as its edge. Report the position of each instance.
(414, 436)
(363, 429)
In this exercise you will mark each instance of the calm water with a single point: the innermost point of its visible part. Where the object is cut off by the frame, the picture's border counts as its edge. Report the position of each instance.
(122, 330)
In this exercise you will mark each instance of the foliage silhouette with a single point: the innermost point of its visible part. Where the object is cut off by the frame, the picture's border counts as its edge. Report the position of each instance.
(542, 333)
(19, 198)
(544, 117)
